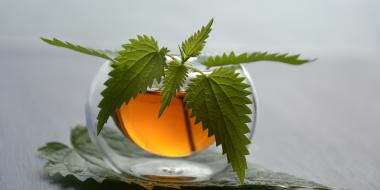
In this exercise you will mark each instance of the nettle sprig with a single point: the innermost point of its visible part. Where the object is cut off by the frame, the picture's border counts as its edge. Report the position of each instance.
(218, 99)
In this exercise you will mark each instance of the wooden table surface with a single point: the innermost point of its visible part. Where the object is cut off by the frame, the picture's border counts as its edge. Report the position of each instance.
(319, 121)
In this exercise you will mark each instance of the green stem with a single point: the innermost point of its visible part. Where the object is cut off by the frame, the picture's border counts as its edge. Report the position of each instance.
(171, 56)
(195, 69)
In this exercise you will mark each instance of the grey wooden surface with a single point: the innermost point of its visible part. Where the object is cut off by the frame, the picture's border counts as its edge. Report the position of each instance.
(318, 121)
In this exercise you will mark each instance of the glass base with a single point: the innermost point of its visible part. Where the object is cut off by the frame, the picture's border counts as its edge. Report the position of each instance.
(171, 170)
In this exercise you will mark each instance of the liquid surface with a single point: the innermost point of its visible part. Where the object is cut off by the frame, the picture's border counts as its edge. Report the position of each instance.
(172, 135)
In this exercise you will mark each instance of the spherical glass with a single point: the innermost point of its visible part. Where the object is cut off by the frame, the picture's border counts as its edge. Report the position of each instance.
(169, 148)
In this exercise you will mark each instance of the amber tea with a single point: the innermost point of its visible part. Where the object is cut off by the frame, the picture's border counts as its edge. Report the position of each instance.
(174, 134)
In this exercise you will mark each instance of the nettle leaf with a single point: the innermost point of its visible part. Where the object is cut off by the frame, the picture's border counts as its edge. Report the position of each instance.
(231, 59)
(78, 48)
(175, 77)
(77, 162)
(193, 46)
(54, 151)
(219, 101)
(133, 72)
(81, 142)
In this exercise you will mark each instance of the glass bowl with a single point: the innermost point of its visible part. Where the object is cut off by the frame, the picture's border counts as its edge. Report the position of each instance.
(171, 148)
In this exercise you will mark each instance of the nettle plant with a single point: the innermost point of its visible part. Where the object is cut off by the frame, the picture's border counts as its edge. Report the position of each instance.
(218, 99)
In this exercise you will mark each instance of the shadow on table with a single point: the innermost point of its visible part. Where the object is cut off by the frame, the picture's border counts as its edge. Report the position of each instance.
(70, 182)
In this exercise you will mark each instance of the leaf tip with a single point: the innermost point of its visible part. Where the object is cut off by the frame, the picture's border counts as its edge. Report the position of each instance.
(211, 21)
(241, 178)
(99, 128)
(162, 109)
(45, 39)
